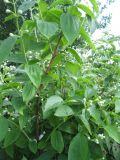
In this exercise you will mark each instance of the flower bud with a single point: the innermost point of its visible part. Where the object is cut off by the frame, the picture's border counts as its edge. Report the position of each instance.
(8, 11)
(11, 34)
(20, 11)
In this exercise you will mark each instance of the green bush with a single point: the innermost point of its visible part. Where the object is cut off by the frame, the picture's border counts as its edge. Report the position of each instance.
(59, 91)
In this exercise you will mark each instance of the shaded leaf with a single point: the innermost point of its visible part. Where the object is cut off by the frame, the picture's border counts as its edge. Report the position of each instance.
(85, 121)
(11, 137)
(10, 151)
(46, 155)
(57, 141)
(52, 102)
(113, 132)
(3, 128)
(117, 106)
(75, 54)
(95, 113)
(28, 92)
(6, 47)
(95, 150)
(78, 148)
(33, 146)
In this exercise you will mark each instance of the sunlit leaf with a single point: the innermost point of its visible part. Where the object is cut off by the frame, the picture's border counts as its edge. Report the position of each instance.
(57, 141)
(70, 26)
(47, 29)
(86, 10)
(63, 111)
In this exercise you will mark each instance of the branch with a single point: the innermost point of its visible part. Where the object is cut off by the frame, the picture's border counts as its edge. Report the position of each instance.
(41, 87)
(53, 56)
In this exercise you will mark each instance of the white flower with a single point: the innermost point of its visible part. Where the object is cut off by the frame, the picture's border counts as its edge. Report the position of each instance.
(11, 34)
(1, 83)
(12, 68)
(20, 11)
(6, 1)
(6, 99)
(29, 52)
(41, 136)
(5, 63)
(8, 11)
(101, 136)
(110, 62)
(96, 140)
(27, 31)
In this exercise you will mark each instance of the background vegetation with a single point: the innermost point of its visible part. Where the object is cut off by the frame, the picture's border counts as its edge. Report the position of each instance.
(59, 90)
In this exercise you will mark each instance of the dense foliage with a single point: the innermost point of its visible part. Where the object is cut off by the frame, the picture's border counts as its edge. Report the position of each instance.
(60, 92)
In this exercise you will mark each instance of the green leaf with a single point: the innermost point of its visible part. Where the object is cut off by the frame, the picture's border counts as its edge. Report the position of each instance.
(86, 10)
(34, 73)
(26, 5)
(63, 111)
(17, 58)
(117, 106)
(90, 92)
(3, 128)
(61, 2)
(53, 15)
(22, 141)
(62, 157)
(116, 150)
(28, 92)
(43, 7)
(6, 47)
(22, 121)
(18, 104)
(74, 68)
(10, 17)
(95, 5)
(95, 150)
(96, 114)
(85, 121)
(11, 137)
(48, 29)
(73, 10)
(75, 54)
(47, 155)
(52, 102)
(24, 158)
(85, 36)
(78, 148)
(70, 26)
(113, 132)
(68, 127)
(33, 146)
(10, 151)
(57, 141)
